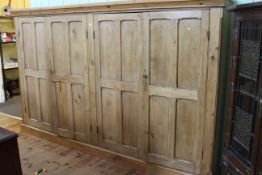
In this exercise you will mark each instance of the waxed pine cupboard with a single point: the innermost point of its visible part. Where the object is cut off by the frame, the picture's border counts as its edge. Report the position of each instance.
(142, 83)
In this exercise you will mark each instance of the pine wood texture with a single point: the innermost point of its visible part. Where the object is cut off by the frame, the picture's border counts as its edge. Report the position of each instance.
(118, 69)
(140, 84)
(212, 87)
(175, 86)
(120, 6)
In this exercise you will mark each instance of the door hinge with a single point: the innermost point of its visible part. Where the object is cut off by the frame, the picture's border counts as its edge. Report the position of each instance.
(208, 35)
(94, 34)
(97, 130)
(87, 34)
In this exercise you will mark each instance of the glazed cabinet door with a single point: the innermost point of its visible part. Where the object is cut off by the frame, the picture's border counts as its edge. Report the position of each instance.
(242, 152)
(118, 54)
(38, 92)
(174, 87)
(67, 48)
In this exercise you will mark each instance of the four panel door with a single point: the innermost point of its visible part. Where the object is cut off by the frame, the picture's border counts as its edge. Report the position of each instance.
(118, 54)
(67, 46)
(39, 93)
(175, 72)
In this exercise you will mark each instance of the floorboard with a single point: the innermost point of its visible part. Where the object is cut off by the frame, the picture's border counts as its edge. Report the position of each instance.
(11, 107)
(40, 155)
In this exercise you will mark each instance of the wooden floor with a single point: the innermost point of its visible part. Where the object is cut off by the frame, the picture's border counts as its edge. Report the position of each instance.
(41, 155)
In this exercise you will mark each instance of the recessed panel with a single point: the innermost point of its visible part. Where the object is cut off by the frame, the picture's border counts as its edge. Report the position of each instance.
(32, 97)
(110, 114)
(130, 53)
(109, 47)
(41, 46)
(77, 50)
(186, 129)
(28, 45)
(81, 119)
(189, 58)
(62, 105)
(46, 95)
(162, 53)
(158, 122)
(60, 48)
(130, 118)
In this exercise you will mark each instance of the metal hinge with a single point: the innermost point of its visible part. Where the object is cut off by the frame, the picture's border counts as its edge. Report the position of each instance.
(94, 34)
(97, 130)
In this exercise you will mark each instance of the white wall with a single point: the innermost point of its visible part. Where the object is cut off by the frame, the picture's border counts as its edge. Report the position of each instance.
(247, 1)
(50, 3)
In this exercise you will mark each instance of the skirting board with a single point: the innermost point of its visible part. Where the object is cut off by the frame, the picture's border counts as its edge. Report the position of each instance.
(99, 152)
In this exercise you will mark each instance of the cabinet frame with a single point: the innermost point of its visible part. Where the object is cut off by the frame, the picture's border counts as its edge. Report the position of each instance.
(212, 36)
(231, 162)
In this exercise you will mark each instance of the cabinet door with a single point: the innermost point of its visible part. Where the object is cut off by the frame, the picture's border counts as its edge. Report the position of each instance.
(69, 71)
(36, 88)
(118, 52)
(245, 107)
(175, 66)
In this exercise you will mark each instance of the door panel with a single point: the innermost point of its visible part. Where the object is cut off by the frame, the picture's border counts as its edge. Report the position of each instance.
(32, 98)
(244, 125)
(159, 119)
(185, 131)
(76, 39)
(61, 58)
(34, 65)
(41, 49)
(28, 44)
(69, 67)
(174, 86)
(110, 122)
(118, 52)
(130, 118)
(64, 119)
(45, 87)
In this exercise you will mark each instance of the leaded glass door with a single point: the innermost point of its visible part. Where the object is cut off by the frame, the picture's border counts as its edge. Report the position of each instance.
(246, 99)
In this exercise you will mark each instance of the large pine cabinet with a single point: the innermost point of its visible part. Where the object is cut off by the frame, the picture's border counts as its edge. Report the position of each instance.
(136, 83)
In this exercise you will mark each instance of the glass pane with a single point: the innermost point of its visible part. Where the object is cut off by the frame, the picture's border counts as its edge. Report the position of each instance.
(245, 110)
(246, 103)
(247, 86)
(242, 130)
(249, 59)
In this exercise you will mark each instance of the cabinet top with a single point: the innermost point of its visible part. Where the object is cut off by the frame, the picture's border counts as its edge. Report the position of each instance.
(130, 5)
